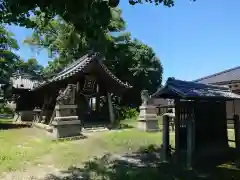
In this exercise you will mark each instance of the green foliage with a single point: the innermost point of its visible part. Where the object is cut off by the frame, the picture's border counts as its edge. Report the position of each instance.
(6, 110)
(137, 64)
(71, 28)
(60, 39)
(130, 60)
(9, 61)
(31, 66)
(64, 43)
(128, 113)
(89, 17)
(7, 57)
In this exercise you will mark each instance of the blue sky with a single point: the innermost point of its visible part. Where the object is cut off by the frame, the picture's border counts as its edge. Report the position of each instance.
(192, 40)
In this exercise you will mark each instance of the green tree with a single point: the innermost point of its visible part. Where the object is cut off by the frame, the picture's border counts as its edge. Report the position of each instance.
(129, 60)
(137, 64)
(89, 17)
(61, 41)
(31, 66)
(65, 44)
(7, 56)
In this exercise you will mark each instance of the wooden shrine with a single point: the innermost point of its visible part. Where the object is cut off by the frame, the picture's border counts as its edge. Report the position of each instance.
(78, 95)
(200, 119)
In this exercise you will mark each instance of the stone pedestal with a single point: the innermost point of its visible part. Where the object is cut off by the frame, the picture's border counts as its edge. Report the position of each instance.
(63, 124)
(63, 128)
(26, 116)
(148, 119)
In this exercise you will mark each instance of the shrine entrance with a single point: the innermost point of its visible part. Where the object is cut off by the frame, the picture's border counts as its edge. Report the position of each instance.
(93, 110)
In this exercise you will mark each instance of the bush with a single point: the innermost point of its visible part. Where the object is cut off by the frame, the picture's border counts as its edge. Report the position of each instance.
(128, 113)
(6, 110)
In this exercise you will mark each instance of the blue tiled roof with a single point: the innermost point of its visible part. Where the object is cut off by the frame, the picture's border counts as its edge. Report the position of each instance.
(192, 90)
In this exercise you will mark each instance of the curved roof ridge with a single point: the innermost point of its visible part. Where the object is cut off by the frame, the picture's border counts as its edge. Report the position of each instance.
(114, 77)
(80, 65)
(71, 65)
(216, 74)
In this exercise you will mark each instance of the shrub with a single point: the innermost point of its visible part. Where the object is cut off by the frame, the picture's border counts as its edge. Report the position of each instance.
(128, 113)
(6, 110)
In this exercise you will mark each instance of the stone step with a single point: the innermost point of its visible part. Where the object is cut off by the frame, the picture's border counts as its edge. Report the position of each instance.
(97, 129)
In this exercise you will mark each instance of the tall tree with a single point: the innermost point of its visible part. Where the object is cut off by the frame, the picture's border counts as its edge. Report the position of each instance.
(65, 44)
(137, 64)
(129, 60)
(90, 17)
(7, 56)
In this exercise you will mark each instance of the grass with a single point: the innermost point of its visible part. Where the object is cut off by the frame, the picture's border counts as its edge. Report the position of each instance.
(26, 147)
(6, 120)
(20, 147)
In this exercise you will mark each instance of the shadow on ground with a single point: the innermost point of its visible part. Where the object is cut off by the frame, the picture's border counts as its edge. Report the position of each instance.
(143, 165)
(10, 125)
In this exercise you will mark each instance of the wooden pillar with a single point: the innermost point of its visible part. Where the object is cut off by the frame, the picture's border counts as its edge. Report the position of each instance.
(190, 140)
(97, 99)
(110, 108)
(237, 131)
(45, 99)
(91, 103)
(165, 137)
(177, 127)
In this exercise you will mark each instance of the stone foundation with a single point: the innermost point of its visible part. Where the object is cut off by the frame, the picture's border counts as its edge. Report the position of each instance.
(148, 126)
(65, 126)
(62, 130)
(66, 130)
(27, 116)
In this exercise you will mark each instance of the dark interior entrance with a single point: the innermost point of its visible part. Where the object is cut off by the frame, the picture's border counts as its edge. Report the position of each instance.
(92, 112)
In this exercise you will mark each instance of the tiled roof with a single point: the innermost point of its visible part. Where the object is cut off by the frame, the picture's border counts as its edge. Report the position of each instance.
(193, 90)
(229, 75)
(79, 66)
